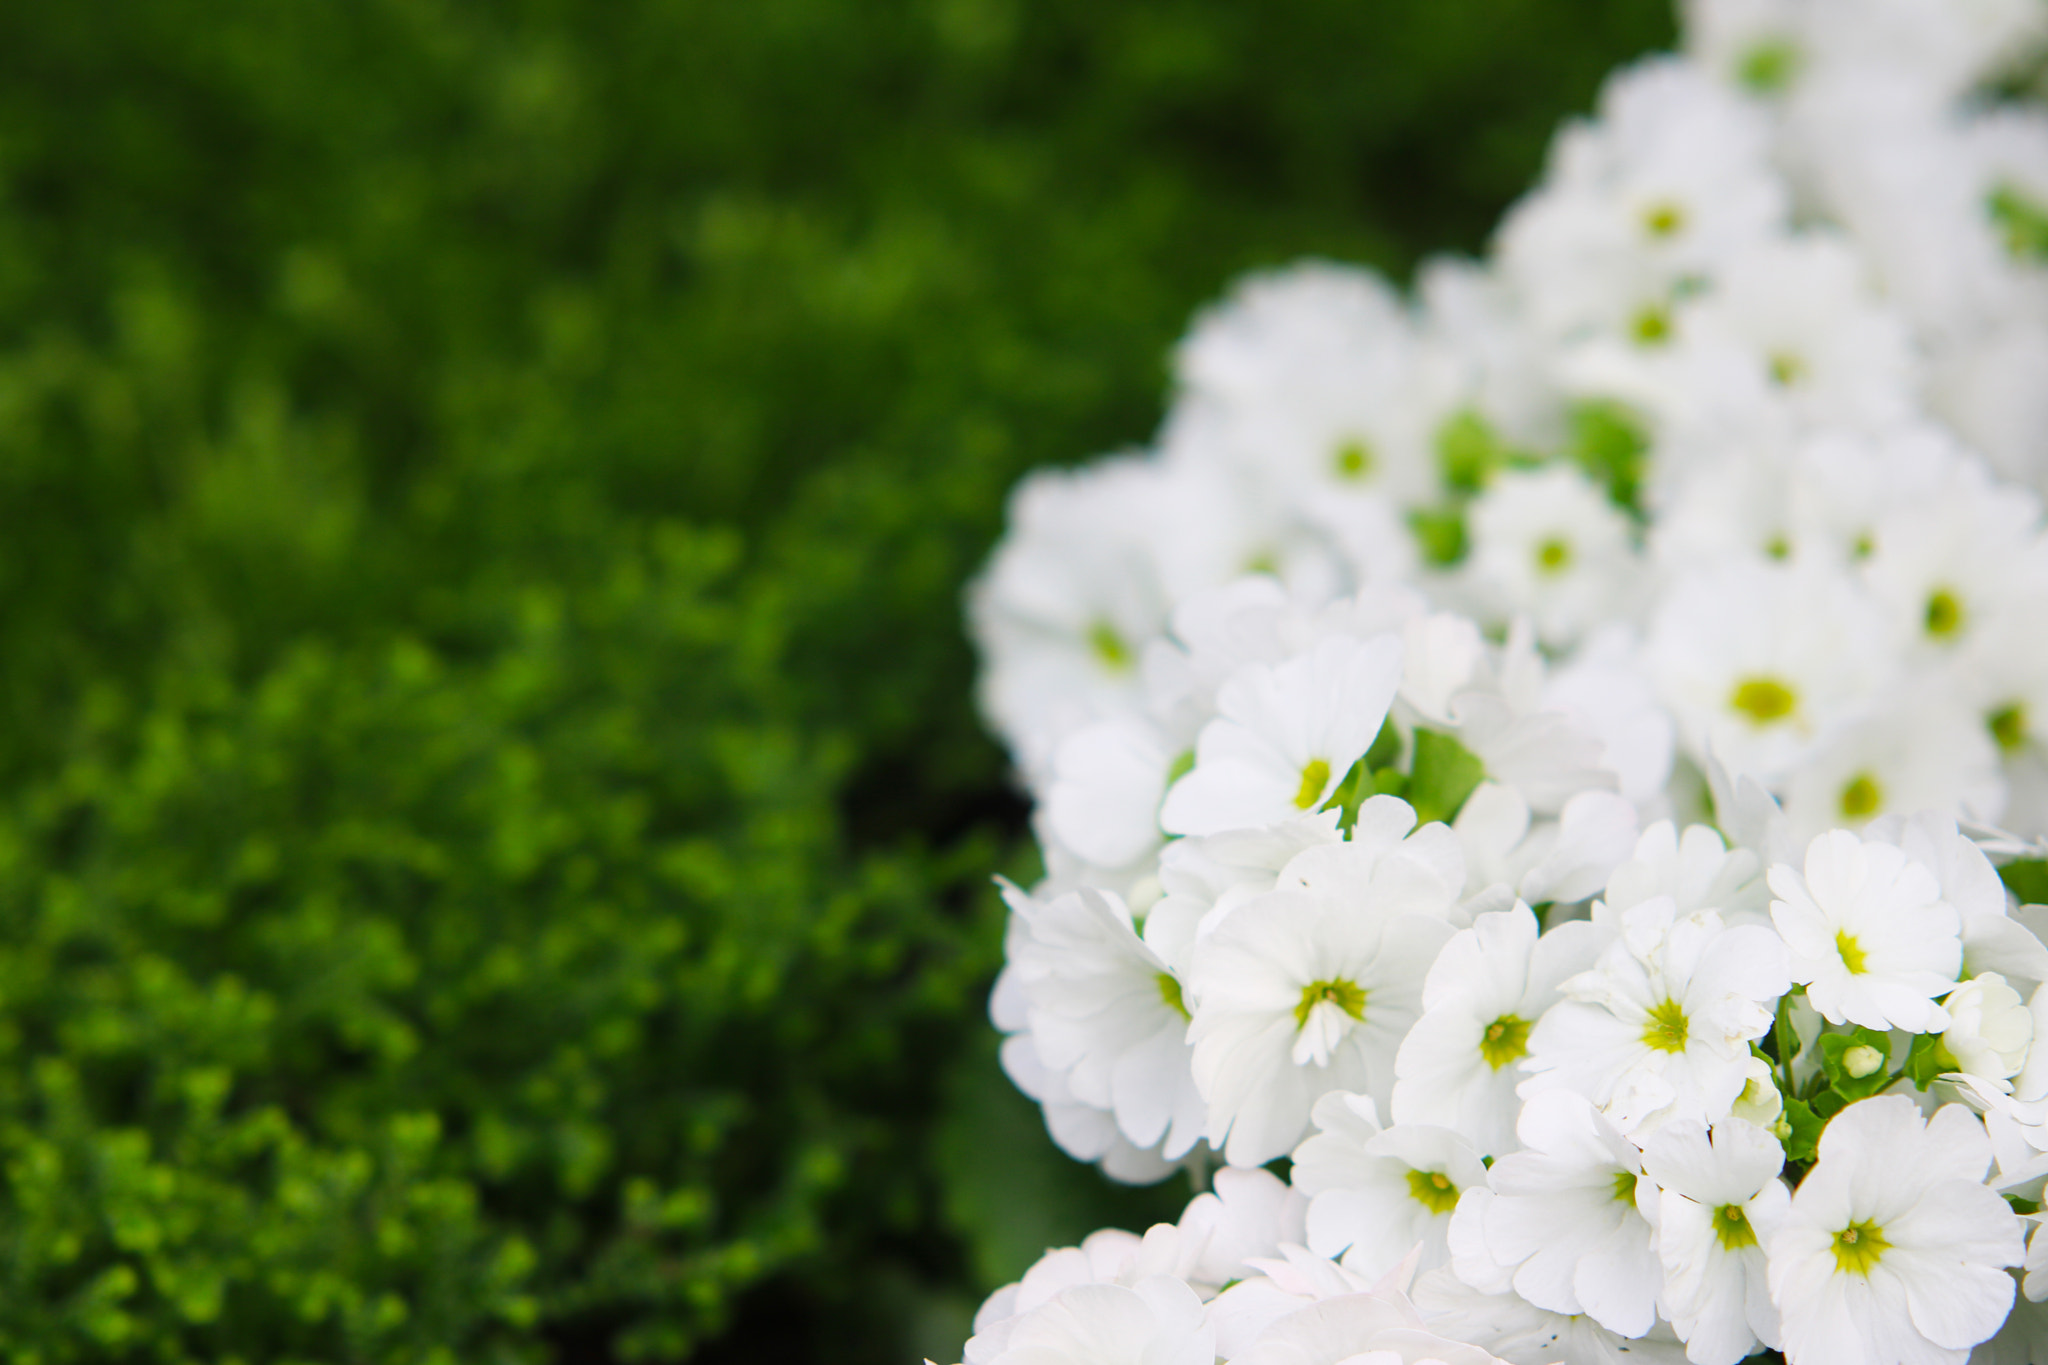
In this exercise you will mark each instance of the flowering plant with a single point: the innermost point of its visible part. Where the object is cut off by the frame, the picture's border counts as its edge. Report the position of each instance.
(1534, 762)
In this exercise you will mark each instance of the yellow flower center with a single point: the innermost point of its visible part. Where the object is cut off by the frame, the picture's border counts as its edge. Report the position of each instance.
(1433, 1190)
(1110, 649)
(1506, 1040)
(1858, 1247)
(1348, 996)
(1354, 459)
(2009, 726)
(1624, 1187)
(1787, 369)
(1315, 775)
(1861, 796)
(1652, 326)
(1664, 219)
(1853, 957)
(1731, 1226)
(1169, 991)
(1553, 555)
(1944, 614)
(1667, 1029)
(1764, 700)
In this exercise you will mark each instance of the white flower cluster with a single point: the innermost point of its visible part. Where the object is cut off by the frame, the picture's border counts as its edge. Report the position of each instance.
(1528, 755)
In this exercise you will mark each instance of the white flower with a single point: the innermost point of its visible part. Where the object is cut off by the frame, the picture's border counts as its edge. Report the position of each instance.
(1311, 987)
(1869, 934)
(1562, 860)
(1106, 1012)
(1549, 543)
(1377, 1194)
(1094, 560)
(1571, 1214)
(1307, 377)
(1158, 1321)
(1661, 1026)
(1456, 1068)
(1990, 1029)
(1697, 870)
(1516, 1330)
(1249, 1215)
(1378, 1328)
(1759, 663)
(1893, 1248)
(1108, 779)
(1925, 750)
(1285, 736)
(1721, 1204)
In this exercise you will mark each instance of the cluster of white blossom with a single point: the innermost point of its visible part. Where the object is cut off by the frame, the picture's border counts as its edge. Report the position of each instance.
(1533, 756)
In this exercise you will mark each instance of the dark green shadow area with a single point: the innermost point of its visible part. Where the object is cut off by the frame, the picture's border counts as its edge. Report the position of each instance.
(494, 841)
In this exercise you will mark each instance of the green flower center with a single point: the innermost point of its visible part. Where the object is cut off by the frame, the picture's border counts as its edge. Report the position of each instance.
(1944, 614)
(1169, 991)
(1667, 1029)
(2009, 726)
(1854, 960)
(1110, 648)
(1553, 556)
(1506, 1040)
(1764, 700)
(1348, 996)
(1433, 1190)
(1778, 547)
(1861, 796)
(1315, 775)
(1731, 1226)
(1624, 1187)
(1858, 1247)
(1354, 459)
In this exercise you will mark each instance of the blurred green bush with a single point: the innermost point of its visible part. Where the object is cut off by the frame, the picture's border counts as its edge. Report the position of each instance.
(493, 842)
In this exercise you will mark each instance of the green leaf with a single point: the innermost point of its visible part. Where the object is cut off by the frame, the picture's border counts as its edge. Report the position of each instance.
(2027, 879)
(1611, 444)
(1469, 450)
(1444, 774)
(1929, 1060)
(1439, 533)
(1803, 1143)
(1386, 747)
(2022, 220)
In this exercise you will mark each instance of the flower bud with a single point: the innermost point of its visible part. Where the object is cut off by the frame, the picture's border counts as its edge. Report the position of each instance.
(1862, 1060)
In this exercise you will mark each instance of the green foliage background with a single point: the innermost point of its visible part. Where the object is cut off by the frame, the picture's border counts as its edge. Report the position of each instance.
(493, 840)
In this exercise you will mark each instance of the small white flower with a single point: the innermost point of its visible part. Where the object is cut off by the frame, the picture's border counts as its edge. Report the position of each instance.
(1721, 1204)
(1106, 1012)
(1990, 1029)
(1549, 543)
(1571, 1213)
(1158, 1321)
(1285, 736)
(1248, 1215)
(1311, 987)
(1376, 1194)
(1758, 663)
(1661, 1026)
(1697, 870)
(1869, 934)
(1516, 1330)
(1893, 1248)
(1457, 1067)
